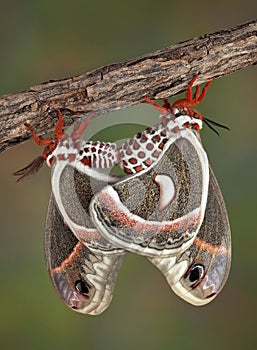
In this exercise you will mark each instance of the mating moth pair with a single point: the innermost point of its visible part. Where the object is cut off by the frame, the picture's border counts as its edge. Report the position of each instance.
(168, 207)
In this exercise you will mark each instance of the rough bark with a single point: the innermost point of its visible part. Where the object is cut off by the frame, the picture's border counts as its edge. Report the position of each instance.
(160, 74)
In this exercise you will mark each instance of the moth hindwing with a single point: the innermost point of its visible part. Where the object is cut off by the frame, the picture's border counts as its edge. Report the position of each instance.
(199, 274)
(84, 280)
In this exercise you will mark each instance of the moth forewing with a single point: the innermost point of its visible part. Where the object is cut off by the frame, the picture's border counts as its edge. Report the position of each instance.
(143, 216)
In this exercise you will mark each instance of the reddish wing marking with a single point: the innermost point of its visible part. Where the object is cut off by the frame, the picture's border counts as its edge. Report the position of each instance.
(70, 258)
(213, 249)
(157, 227)
(87, 234)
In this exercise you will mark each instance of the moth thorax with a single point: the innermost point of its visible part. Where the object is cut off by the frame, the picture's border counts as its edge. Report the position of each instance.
(182, 120)
(173, 126)
(67, 150)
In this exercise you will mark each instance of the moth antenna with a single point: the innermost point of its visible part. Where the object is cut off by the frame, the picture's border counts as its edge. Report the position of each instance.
(217, 124)
(210, 126)
(30, 169)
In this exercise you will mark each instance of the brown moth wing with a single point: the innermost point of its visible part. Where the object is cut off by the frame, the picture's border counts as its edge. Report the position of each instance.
(200, 273)
(84, 280)
(159, 210)
(73, 190)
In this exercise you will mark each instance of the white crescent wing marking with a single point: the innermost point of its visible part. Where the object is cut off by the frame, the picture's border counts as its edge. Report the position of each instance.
(167, 190)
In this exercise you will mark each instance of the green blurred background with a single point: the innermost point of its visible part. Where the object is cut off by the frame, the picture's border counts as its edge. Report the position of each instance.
(42, 40)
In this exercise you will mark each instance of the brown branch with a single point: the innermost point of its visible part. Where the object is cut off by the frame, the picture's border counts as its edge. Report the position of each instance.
(160, 74)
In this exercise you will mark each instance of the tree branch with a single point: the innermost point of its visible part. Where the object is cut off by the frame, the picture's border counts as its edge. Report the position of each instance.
(160, 74)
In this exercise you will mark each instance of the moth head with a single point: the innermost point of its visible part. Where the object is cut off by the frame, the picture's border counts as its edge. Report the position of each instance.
(180, 114)
(51, 145)
(185, 118)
